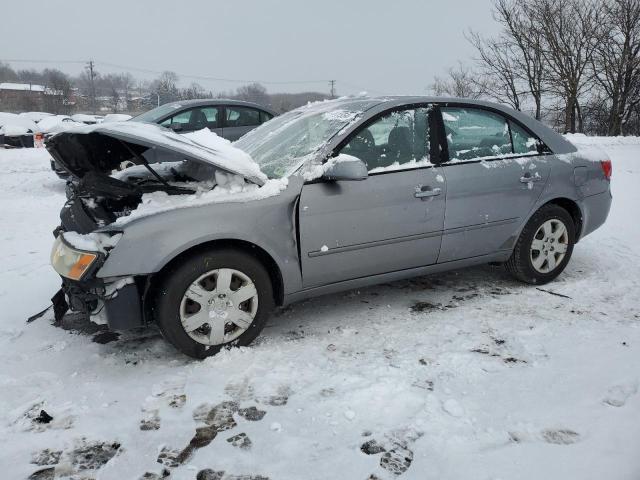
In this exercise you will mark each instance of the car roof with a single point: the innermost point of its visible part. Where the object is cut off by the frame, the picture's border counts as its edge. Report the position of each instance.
(219, 102)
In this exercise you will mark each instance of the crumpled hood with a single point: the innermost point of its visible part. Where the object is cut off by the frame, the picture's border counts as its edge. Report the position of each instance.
(103, 148)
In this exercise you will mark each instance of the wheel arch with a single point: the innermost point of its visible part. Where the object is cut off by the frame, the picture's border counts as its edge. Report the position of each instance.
(574, 210)
(275, 275)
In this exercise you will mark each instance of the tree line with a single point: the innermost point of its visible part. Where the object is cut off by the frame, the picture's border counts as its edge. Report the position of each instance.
(92, 91)
(574, 64)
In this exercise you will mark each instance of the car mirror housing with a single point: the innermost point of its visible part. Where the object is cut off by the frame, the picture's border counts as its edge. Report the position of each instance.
(345, 167)
(176, 127)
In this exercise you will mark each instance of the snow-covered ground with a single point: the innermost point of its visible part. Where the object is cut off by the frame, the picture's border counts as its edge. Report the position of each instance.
(460, 375)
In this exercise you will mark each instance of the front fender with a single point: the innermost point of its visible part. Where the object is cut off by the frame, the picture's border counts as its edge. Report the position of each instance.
(150, 243)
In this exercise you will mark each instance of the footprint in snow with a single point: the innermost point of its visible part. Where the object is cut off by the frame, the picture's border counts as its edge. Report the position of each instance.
(618, 395)
(396, 455)
(85, 456)
(560, 436)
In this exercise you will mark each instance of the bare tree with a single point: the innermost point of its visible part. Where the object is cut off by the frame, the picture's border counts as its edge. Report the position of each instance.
(7, 74)
(498, 66)
(58, 91)
(253, 92)
(525, 41)
(459, 82)
(616, 61)
(193, 91)
(166, 87)
(568, 28)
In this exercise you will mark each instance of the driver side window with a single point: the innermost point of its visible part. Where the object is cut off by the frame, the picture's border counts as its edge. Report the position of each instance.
(398, 140)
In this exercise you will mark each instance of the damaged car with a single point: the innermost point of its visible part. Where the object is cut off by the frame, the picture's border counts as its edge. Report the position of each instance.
(205, 238)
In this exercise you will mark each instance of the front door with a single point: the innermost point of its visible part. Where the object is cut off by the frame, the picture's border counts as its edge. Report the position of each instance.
(495, 174)
(388, 222)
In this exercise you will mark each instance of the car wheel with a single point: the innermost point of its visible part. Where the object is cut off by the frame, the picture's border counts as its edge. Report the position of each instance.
(214, 299)
(544, 246)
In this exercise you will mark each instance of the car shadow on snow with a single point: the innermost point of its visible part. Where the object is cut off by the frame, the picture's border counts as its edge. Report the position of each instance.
(440, 292)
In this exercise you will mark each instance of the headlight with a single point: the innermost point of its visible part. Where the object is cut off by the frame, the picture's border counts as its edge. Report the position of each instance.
(69, 262)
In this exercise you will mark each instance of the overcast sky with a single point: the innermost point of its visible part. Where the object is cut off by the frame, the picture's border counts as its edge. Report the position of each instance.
(380, 46)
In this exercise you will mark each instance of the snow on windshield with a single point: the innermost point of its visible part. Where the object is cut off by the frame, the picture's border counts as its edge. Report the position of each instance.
(281, 145)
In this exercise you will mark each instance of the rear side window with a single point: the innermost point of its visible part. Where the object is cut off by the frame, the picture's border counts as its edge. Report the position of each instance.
(523, 141)
(242, 117)
(475, 133)
(265, 117)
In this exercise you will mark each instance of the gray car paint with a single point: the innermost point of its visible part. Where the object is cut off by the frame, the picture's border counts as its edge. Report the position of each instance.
(371, 243)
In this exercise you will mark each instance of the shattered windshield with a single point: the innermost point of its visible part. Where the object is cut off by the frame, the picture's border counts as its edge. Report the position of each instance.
(281, 145)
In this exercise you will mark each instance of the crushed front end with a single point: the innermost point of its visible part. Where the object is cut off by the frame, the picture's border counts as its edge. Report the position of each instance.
(112, 301)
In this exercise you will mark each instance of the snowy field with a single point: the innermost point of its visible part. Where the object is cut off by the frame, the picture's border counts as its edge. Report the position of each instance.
(464, 375)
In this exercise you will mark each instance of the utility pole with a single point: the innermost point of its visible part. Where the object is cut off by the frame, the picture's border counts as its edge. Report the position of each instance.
(92, 75)
(332, 85)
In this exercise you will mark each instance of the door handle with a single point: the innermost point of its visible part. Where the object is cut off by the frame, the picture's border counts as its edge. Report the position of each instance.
(530, 178)
(426, 191)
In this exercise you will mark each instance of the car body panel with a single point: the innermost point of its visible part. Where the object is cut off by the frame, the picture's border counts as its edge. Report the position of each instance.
(487, 201)
(268, 224)
(351, 229)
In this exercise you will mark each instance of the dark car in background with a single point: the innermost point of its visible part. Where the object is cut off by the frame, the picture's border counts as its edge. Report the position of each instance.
(229, 119)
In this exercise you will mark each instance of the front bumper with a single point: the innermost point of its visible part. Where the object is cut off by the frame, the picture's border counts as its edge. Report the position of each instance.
(116, 303)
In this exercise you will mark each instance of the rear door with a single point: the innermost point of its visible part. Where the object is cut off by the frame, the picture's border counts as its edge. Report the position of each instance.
(390, 221)
(496, 171)
(239, 120)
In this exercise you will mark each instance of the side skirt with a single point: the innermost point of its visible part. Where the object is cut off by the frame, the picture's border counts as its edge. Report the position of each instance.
(394, 276)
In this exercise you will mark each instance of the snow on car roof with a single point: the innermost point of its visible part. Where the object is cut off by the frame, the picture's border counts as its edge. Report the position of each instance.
(11, 124)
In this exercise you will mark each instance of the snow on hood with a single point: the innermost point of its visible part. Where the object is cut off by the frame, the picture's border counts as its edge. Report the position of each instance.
(229, 188)
(78, 146)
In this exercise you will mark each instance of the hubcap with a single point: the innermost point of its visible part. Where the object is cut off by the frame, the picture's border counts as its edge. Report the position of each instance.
(219, 306)
(549, 246)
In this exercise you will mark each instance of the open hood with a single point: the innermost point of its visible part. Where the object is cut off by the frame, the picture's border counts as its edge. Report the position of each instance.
(102, 148)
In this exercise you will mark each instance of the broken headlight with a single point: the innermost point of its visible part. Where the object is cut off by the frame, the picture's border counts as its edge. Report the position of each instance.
(70, 262)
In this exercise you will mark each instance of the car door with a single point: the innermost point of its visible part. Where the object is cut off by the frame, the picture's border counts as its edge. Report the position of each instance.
(496, 170)
(197, 118)
(239, 120)
(390, 221)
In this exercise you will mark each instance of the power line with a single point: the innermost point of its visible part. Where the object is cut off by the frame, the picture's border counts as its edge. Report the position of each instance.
(158, 72)
(98, 63)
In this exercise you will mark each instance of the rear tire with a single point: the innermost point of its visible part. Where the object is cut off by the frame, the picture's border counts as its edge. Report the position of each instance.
(544, 247)
(213, 299)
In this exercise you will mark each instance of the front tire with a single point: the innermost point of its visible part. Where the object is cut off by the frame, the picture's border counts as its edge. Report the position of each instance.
(544, 247)
(213, 299)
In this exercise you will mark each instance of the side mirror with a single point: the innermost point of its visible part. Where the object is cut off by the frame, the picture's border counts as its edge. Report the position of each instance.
(176, 127)
(345, 167)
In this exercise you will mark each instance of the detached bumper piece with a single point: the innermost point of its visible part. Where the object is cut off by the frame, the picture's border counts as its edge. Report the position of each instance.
(120, 308)
(60, 305)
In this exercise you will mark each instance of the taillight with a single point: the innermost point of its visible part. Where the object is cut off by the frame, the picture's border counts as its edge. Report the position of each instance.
(606, 168)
